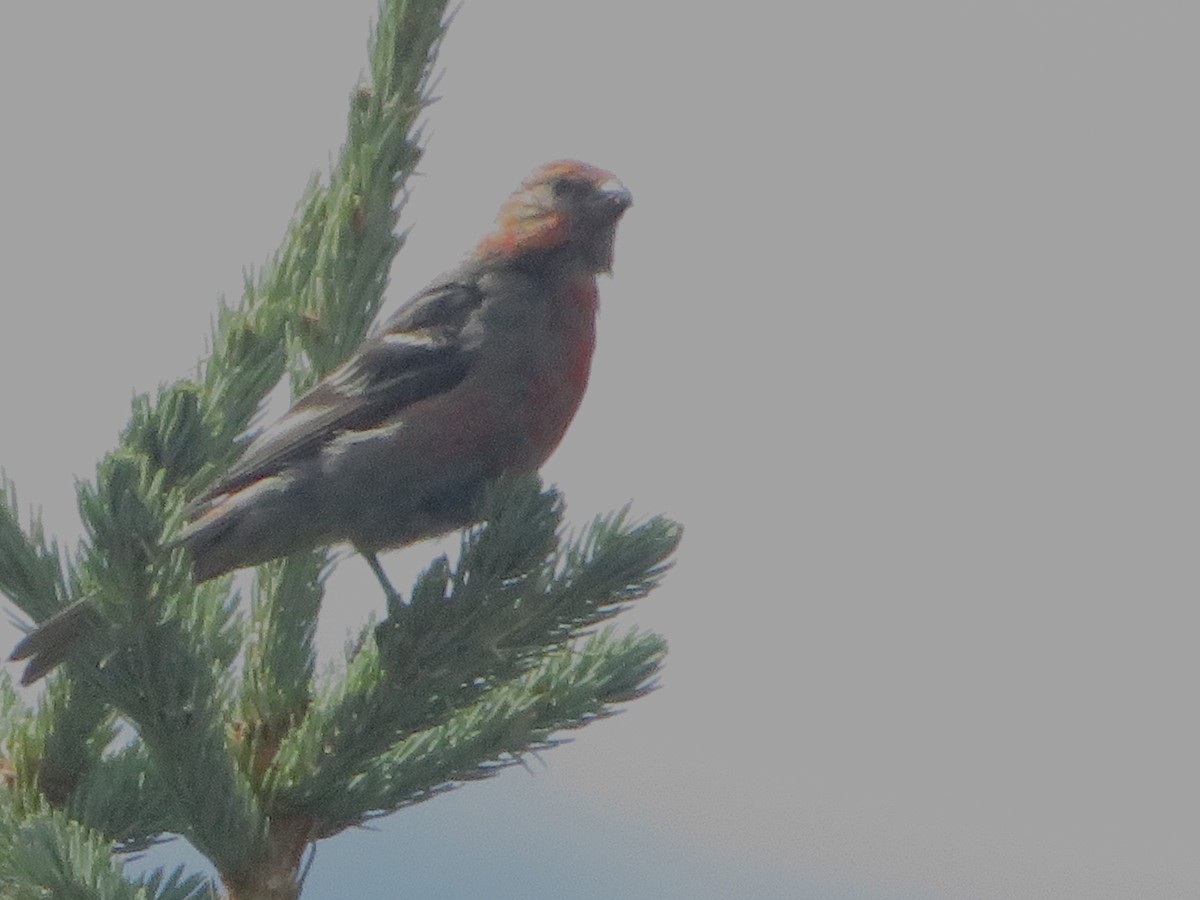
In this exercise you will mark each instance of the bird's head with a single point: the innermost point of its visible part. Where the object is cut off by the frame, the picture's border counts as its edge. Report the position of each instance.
(565, 204)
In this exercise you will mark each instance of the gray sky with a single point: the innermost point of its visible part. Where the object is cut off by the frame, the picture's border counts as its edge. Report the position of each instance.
(902, 328)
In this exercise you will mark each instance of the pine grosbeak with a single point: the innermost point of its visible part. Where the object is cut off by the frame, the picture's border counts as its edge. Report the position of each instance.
(476, 376)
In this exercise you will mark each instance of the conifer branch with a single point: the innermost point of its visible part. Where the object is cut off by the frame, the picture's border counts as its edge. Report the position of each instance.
(31, 567)
(568, 689)
(252, 762)
(45, 854)
(511, 599)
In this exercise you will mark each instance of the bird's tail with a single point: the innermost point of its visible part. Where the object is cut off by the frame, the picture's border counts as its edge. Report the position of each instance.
(50, 643)
(249, 527)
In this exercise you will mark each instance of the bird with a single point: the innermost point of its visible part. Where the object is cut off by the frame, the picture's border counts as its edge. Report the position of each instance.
(476, 377)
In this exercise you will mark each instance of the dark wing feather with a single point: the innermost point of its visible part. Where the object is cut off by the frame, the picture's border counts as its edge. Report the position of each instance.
(424, 349)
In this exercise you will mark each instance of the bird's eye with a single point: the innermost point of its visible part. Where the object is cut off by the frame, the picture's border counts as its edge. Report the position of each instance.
(569, 187)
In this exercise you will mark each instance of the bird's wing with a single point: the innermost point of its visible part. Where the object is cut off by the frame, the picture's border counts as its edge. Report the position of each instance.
(424, 349)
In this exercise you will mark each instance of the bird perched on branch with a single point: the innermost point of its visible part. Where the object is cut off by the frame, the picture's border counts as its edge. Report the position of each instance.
(475, 377)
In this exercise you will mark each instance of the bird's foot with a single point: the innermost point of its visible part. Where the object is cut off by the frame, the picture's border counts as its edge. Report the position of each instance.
(394, 599)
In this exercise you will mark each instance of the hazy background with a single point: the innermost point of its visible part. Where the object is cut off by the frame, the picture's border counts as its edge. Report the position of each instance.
(903, 328)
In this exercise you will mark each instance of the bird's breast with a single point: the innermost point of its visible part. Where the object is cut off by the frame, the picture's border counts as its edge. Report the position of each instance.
(560, 377)
(514, 407)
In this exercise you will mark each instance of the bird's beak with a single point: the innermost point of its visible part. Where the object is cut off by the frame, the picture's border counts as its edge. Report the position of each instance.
(615, 196)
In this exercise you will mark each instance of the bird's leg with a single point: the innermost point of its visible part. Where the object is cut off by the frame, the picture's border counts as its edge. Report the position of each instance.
(393, 596)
